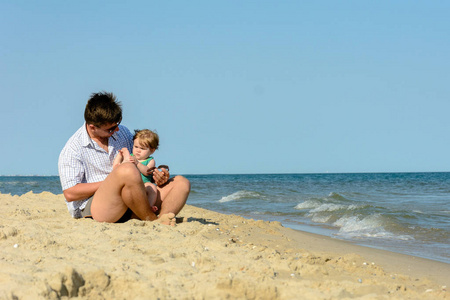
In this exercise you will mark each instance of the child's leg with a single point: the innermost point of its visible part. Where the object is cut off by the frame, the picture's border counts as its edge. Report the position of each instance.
(118, 159)
(152, 193)
(125, 154)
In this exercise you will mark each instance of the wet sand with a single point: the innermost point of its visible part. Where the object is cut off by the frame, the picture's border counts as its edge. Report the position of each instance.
(45, 254)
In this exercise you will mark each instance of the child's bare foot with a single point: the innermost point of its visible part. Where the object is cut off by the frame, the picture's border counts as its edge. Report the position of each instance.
(118, 160)
(167, 219)
(126, 154)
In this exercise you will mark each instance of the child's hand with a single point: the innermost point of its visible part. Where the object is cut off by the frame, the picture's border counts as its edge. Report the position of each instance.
(127, 157)
(133, 159)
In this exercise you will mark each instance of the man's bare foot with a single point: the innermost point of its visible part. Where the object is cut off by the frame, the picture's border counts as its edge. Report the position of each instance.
(167, 219)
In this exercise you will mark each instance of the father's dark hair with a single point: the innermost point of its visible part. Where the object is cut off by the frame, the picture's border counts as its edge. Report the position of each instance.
(103, 108)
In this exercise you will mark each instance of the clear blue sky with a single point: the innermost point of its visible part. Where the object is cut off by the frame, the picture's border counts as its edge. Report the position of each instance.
(233, 86)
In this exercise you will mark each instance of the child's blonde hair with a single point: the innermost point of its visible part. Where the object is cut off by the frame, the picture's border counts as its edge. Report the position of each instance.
(147, 138)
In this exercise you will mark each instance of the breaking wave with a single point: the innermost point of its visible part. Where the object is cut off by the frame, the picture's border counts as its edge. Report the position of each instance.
(353, 220)
(366, 227)
(240, 195)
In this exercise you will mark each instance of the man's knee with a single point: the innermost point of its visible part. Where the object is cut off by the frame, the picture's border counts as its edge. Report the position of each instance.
(182, 183)
(128, 172)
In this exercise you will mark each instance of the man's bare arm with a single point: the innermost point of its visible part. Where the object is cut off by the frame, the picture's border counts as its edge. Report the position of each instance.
(81, 191)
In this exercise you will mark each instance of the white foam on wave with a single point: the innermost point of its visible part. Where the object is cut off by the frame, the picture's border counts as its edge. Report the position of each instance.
(317, 206)
(239, 195)
(354, 223)
(369, 227)
(320, 219)
(333, 207)
(22, 183)
(308, 204)
(327, 207)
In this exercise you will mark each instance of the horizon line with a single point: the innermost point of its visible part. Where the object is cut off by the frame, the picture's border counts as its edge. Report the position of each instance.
(282, 173)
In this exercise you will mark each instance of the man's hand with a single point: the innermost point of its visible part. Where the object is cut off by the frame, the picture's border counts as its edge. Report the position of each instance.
(160, 177)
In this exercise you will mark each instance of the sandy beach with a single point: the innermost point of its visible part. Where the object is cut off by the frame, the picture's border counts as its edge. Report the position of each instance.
(45, 254)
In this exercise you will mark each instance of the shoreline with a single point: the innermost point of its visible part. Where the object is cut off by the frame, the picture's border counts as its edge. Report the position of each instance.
(390, 261)
(47, 254)
(328, 232)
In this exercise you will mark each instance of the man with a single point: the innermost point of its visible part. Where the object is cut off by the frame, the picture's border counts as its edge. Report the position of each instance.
(90, 185)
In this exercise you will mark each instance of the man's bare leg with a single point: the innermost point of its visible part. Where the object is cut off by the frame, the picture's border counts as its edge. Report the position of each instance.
(174, 195)
(123, 189)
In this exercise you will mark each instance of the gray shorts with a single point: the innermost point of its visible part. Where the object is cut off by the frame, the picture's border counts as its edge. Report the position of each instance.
(86, 211)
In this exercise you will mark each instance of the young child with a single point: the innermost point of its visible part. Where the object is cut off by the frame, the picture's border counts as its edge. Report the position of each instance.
(145, 143)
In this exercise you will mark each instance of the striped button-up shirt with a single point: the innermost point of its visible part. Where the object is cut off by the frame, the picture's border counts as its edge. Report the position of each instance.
(82, 160)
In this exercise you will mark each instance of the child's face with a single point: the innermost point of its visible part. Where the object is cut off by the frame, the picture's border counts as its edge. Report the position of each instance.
(140, 151)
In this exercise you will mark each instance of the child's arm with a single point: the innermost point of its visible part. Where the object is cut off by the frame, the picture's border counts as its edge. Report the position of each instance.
(145, 169)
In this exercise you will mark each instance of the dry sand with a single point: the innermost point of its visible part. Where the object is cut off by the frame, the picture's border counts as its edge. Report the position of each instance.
(45, 254)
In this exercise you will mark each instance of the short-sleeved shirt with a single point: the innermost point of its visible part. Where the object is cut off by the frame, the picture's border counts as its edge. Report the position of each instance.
(82, 160)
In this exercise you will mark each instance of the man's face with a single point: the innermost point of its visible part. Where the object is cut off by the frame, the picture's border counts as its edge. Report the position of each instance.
(107, 130)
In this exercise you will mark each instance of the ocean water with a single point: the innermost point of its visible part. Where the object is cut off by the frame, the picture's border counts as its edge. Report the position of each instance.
(401, 212)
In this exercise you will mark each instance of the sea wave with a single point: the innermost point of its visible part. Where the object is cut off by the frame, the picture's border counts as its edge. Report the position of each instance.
(240, 195)
(321, 219)
(354, 220)
(366, 227)
(336, 196)
(333, 207)
(324, 205)
(307, 204)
